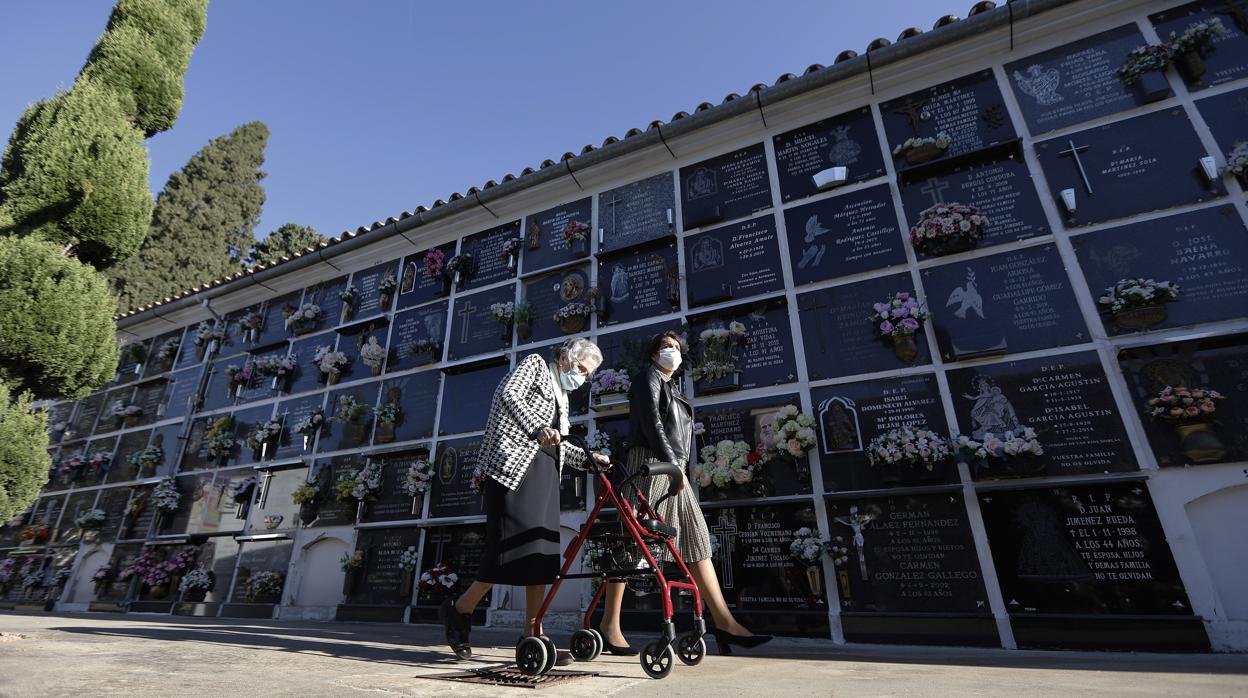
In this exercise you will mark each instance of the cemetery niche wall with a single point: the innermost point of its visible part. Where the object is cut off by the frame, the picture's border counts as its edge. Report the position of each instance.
(936, 396)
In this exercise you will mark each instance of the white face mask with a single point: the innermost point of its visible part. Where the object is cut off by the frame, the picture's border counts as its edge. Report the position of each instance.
(571, 380)
(669, 358)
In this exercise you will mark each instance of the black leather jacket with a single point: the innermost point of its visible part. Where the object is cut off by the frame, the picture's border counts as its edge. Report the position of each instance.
(660, 418)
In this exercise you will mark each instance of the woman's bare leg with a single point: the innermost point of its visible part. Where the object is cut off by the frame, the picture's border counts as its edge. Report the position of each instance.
(708, 584)
(534, 595)
(613, 600)
(467, 601)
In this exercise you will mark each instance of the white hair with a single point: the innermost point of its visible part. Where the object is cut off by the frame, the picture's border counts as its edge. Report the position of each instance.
(581, 350)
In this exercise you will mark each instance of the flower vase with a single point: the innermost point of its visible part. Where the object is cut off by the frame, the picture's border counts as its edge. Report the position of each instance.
(357, 433)
(579, 247)
(237, 391)
(200, 351)
(573, 324)
(307, 513)
(348, 310)
(331, 378)
(459, 280)
(905, 347)
(1190, 65)
(383, 302)
(523, 331)
(307, 442)
(506, 332)
(418, 505)
(375, 370)
(385, 433)
(274, 384)
(349, 583)
(511, 262)
(196, 595)
(1152, 86)
(446, 285)
(814, 576)
(1140, 319)
(919, 154)
(158, 592)
(1200, 443)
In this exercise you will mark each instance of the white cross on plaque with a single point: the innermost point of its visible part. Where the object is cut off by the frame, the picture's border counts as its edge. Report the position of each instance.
(725, 531)
(1074, 151)
(466, 311)
(935, 188)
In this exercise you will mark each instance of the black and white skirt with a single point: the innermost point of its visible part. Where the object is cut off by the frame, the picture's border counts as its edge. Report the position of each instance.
(522, 526)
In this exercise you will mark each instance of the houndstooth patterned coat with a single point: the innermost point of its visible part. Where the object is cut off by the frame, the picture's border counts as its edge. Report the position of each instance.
(524, 403)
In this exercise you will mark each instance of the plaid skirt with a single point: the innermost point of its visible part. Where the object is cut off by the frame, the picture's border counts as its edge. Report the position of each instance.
(680, 510)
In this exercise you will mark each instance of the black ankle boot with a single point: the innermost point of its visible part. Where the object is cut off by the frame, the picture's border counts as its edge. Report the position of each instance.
(458, 627)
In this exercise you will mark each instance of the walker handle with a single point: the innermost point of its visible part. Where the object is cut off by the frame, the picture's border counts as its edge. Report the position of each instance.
(675, 474)
(579, 441)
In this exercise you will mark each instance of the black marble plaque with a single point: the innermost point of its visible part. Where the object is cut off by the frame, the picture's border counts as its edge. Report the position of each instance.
(307, 375)
(106, 446)
(848, 140)
(245, 421)
(352, 344)
(183, 388)
(544, 245)
(129, 443)
(113, 501)
(1076, 82)
(139, 517)
(367, 303)
(489, 262)
(466, 398)
(1001, 188)
(58, 421)
(107, 422)
(262, 387)
(626, 350)
(121, 558)
(767, 355)
(339, 435)
(154, 365)
(725, 187)
(1065, 398)
(76, 504)
(417, 397)
(381, 581)
(167, 439)
(473, 329)
(274, 312)
(192, 489)
(844, 235)
(849, 416)
(326, 471)
(217, 391)
(416, 285)
(757, 573)
(905, 554)
(546, 294)
(188, 353)
(636, 213)
(195, 455)
(735, 261)
(150, 395)
(417, 337)
(1096, 548)
(89, 409)
(1228, 59)
(391, 503)
(1006, 303)
(1225, 114)
(261, 556)
(969, 110)
(453, 492)
(1216, 363)
(745, 420)
(274, 508)
(459, 548)
(1129, 169)
(291, 444)
(1205, 252)
(640, 284)
(839, 338)
(325, 295)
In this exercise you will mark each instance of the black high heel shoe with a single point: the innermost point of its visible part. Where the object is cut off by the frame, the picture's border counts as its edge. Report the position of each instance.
(618, 650)
(726, 640)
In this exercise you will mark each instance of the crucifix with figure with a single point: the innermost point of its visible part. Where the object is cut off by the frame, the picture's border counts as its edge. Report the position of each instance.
(1073, 151)
(725, 531)
(465, 311)
(1236, 10)
(912, 109)
(857, 522)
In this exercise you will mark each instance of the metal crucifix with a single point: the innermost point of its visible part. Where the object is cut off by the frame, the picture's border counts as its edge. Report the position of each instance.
(1074, 151)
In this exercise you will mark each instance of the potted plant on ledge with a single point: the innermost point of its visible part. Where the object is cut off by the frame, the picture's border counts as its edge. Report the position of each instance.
(309, 426)
(715, 363)
(416, 483)
(1138, 304)
(1144, 68)
(1191, 411)
(921, 149)
(1014, 453)
(576, 234)
(195, 586)
(1187, 50)
(307, 496)
(947, 229)
(504, 314)
(387, 415)
(908, 455)
(609, 389)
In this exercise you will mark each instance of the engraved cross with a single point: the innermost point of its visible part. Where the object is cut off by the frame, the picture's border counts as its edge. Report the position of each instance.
(726, 532)
(466, 311)
(1074, 151)
(935, 189)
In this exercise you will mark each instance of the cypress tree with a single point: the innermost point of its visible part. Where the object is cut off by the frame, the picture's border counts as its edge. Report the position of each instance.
(202, 226)
(287, 241)
(24, 459)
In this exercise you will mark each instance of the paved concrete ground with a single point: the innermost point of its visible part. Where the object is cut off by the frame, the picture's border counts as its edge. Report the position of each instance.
(108, 655)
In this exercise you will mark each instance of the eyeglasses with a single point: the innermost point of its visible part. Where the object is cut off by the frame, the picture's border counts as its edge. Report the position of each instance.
(582, 368)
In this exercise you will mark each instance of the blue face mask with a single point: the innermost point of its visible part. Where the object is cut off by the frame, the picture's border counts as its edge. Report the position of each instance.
(571, 380)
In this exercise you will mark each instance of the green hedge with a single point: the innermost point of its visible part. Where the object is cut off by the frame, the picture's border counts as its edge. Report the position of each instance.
(24, 459)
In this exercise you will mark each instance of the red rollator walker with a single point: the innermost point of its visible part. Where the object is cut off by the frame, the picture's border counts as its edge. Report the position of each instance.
(644, 530)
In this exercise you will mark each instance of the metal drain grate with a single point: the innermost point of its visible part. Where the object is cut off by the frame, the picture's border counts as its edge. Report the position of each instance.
(512, 677)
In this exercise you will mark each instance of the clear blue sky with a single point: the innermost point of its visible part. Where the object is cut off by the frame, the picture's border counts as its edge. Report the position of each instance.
(376, 106)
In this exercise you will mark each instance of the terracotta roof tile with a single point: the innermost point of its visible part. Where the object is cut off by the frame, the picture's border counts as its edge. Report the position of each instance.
(845, 55)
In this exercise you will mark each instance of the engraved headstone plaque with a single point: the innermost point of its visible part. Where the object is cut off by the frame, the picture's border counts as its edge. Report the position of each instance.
(637, 212)
(844, 235)
(544, 244)
(725, 187)
(736, 261)
(848, 140)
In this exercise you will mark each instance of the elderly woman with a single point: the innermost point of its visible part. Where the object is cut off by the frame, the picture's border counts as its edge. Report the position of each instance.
(521, 457)
(661, 429)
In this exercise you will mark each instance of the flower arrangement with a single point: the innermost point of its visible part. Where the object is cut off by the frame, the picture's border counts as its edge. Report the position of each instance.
(387, 285)
(921, 149)
(1138, 293)
(793, 431)
(330, 362)
(423, 346)
(243, 490)
(154, 572)
(1014, 443)
(62, 576)
(350, 410)
(137, 352)
(262, 584)
(349, 295)
(439, 579)
(165, 496)
(350, 562)
(1237, 160)
(1197, 38)
(206, 333)
(121, 410)
(715, 356)
(806, 547)
(168, 350)
(725, 463)
(388, 413)
(310, 424)
(600, 442)
(419, 475)
(240, 376)
(148, 458)
(435, 263)
(373, 355)
(909, 447)
(220, 438)
(305, 493)
(511, 248)
(477, 483)
(251, 324)
(35, 533)
(99, 461)
(608, 382)
(503, 313)
(898, 316)
(91, 520)
(72, 466)
(7, 566)
(460, 265)
(576, 310)
(408, 559)
(1143, 59)
(947, 228)
(304, 315)
(264, 433)
(102, 575)
(359, 485)
(277, 367)
(1183, 405)
(32, 580)
(576, 230)
(198, 579)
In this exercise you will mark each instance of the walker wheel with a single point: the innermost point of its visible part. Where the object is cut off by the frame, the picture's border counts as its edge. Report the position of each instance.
(599, 643)
(691, 648)
(551, 653)
(657, 659)
(584, 646)
(531, 656)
